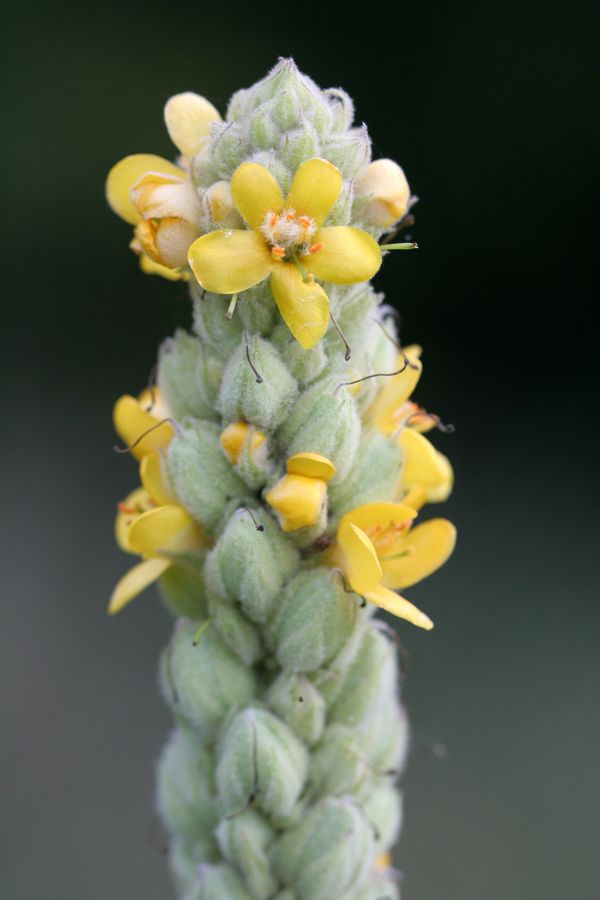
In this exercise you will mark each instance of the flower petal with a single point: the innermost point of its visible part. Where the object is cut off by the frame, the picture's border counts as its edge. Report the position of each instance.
(360, 563)
(188, 118)
(430, 544)
(234, 437)
(298, 500)
(131, 421)
(378, 515)
(315, 188)
(347, 255)
(312, 465)
(134, 505)
(255, 193)
(227, 262)
(173, 239)
(157, 196)
(135, 581)
(422, 462)
(153, 479)
(124, 175)
(166, 528)
(149, 267)
(399, 606)
(304, 306)
(386, 411)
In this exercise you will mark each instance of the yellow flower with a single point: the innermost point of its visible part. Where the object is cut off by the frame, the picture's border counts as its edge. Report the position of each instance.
(133, 418)
(379, 552)
(157, 197)
(299, 496)
(152, 524)
(427, 475)
(384, 187)
(286, 240)
(235, 436)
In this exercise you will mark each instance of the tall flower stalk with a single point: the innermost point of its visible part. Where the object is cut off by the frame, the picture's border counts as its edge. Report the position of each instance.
(283, 471)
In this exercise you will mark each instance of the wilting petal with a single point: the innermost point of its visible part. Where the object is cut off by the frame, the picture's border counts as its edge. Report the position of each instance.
(124, 175)
(422, 462)
(304, 306)
(134, 505)
(158, 196)
(149, 267)
(429, 545)
(297, 500)
(227, 262)
(172, 240)
(312, 465)
(347, 255)
(188, 118)
(398, 606)
(154, 481)
(385, 411)
(315, 188)
(360, 563)
(166, 528)
(255, 193)
(135, 581)
(131, 421)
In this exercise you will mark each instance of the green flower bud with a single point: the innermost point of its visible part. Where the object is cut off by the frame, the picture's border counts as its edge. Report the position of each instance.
(261, 763)
(329, 852)
(374, 476)
(256, 309)
(350, 152)
(338, 764)
(202, 680)
(383, 887)
(262, 403)
(251, 566)
(371, 674)
(384, 736)
(383, 808)
(209, 373)
(304, 365)
(329, 681)
(300, 145)
(178, 365)
(237, 632)
(185, 861)
(341, 108)
(243, 841)
(313, 620)
(201, 474)
(297, 701)
(229, 147)
(254, 465)
(185, 788)
(221, 334)
(182, 588)
(218, 883)
(262, 130)
(324, 420)
(285, 110)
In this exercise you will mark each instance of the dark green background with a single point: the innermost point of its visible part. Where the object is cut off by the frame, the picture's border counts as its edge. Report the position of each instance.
(489, 109)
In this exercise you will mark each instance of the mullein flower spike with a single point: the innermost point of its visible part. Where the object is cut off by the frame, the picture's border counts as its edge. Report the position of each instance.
(280, 481)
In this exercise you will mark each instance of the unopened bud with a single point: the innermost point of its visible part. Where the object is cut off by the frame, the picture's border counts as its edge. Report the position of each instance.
(202, 680)
(219, 206)
(243, 841)
(297, 701)
(182, 588)
(261, 763)
(185, 788)
(178, 376)
(217, 883)
(383, 808)
(338, 764)
(382, 193)
(328, 854)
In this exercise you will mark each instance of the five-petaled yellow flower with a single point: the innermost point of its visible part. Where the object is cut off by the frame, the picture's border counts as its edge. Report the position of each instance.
(299, 496)
(379, 552)
(158, 197)
(152, 524)
(286, 240)
(427, 475)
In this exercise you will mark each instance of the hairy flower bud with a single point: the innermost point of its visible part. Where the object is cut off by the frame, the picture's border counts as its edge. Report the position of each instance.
(297, 701)
(179, 363)
(182, 588)
(328, 853)
(185, 788)
(218, 206)
(261, 763)
(200, 473)
(313, 620)
(217, 883)
(243, 841)
(202, 680)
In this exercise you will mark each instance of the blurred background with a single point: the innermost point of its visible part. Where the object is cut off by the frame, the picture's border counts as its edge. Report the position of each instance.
(489, 110)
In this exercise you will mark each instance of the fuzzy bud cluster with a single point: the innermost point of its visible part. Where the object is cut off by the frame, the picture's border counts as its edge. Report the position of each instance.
(278, 493)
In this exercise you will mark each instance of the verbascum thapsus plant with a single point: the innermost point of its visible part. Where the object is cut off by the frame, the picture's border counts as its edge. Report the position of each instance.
(283, 465)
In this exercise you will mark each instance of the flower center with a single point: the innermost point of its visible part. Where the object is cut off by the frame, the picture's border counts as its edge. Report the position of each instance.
(289, 233)
(384, 537)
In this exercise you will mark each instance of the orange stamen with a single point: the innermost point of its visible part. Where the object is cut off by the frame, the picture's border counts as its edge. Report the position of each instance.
(304, 220)
(290, 217)
(278, 252)
(274, 220)
(315, 248)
